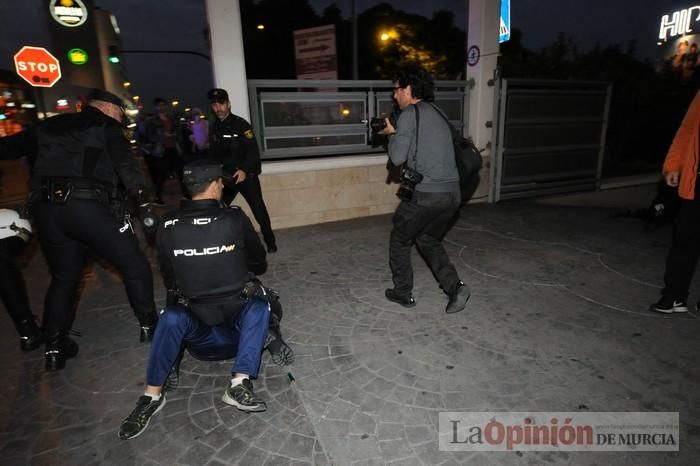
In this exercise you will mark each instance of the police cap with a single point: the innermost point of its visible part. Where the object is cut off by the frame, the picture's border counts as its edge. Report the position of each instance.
(104, 96)
(202, 171)
(217, 95)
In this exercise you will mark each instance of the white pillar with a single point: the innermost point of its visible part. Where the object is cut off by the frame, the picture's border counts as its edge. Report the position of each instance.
(482, 34)
(227, 57)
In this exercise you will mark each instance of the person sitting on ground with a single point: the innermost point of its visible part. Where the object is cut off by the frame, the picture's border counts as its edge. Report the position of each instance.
(206, 252)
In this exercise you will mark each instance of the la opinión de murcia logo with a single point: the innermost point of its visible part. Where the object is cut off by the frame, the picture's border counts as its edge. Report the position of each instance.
(679, 23)
(575, 431)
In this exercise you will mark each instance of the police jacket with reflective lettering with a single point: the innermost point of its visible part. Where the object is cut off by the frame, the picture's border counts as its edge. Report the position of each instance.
(233, 143)
(88, 146)
(206, 250)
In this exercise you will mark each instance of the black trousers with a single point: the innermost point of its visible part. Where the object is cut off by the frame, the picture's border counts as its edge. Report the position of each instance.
(252, 193)
(13, 289)
(423, 220)
(66, 232)
(682, 258)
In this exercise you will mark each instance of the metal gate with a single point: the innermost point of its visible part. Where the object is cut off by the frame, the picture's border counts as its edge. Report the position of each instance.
(550, 136)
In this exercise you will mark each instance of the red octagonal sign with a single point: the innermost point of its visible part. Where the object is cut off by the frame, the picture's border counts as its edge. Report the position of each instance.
(37, 66)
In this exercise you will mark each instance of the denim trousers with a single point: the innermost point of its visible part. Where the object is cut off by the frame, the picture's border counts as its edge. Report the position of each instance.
(683, 255)
(242, 337)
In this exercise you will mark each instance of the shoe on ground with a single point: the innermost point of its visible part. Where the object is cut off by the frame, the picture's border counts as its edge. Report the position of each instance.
(272, 248)
(172, 381)
(139, 418)
(242, 397)
(458, 300)
(30, 335)
(405, 301)
(280, 352)
(148, 328)
(668, 305)
(59, 348)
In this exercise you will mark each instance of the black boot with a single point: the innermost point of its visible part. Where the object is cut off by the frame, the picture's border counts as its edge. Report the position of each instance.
(30, 336)
(148, 328)
(59, 348)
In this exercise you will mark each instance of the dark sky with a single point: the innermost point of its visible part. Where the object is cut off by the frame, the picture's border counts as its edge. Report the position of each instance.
(178, 24)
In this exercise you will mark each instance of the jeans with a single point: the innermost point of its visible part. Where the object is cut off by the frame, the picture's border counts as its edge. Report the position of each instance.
(242, 337)
(683, 255)
(423, 220)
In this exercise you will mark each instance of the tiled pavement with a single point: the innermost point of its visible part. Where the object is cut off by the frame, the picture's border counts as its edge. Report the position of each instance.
(557, 322)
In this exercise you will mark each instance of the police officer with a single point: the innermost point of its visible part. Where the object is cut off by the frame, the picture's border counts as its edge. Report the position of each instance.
(80, 162)
(233, 144)
(207, 251)
(15, 232)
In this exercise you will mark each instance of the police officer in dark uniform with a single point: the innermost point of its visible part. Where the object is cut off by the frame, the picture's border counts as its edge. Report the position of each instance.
(83, 164)
(233, 144)
(207, 252)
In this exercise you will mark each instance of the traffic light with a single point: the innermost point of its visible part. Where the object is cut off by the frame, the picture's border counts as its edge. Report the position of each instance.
(113, 54)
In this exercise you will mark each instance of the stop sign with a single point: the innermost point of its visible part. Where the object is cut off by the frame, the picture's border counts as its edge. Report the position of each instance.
(37, 66)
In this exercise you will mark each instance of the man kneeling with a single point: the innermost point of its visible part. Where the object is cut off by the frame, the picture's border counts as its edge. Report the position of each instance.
(207, 252)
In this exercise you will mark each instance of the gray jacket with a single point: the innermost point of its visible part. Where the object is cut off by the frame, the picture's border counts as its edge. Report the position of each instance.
(435, 159)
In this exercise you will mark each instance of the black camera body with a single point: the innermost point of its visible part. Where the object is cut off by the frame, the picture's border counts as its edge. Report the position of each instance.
(377, 124)
(409, 179)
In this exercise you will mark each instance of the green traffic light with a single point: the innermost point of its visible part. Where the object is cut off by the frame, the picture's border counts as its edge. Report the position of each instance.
(113, 59)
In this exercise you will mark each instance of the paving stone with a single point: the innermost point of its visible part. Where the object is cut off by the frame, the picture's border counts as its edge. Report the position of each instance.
(557, 320)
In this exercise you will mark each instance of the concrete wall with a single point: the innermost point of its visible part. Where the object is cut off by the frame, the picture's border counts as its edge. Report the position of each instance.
(313, 191)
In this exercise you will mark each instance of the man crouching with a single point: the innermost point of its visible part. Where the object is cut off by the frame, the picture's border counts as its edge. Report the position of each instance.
(207, 252)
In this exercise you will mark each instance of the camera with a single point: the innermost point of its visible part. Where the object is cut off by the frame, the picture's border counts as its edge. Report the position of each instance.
(377, 124)
(409, 179)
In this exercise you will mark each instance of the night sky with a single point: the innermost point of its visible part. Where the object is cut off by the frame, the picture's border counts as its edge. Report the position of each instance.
(178, 24)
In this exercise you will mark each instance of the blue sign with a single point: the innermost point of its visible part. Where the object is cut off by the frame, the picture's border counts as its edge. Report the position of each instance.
(504, 28)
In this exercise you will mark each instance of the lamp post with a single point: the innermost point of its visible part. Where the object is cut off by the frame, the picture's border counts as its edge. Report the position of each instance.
(353, 8)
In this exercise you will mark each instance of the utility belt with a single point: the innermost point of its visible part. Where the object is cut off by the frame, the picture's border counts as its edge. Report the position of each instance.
(216, 309)
(61, 191)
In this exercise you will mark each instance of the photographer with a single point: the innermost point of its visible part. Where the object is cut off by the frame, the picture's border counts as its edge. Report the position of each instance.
(429, 191)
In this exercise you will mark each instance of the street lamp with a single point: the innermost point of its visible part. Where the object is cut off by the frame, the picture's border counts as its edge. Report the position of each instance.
(261, 27)
(175, 103)
(126, 84)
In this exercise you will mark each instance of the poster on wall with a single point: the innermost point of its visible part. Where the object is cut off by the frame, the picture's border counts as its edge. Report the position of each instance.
(679, 39)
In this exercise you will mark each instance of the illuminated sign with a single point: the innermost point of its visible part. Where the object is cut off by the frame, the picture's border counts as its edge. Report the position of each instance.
(504, 27)
(70, 13)
(679, 23)
(77, 56)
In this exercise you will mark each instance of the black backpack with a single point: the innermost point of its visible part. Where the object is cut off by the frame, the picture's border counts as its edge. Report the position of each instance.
(468, 159)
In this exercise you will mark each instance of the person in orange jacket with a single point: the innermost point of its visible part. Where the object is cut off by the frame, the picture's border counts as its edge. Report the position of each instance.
(681, 170)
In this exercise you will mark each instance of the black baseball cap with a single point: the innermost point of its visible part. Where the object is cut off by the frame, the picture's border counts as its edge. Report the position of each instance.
(104, 96)
(202, 171)
(217, 95)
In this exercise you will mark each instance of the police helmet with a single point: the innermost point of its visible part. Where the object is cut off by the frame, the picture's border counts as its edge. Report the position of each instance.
(11, 224)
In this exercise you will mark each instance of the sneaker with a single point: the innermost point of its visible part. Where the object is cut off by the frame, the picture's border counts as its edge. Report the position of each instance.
(280, 352)
(668, 305)
(242, 397)
(458, 299)
(139, 418)
(405, 301)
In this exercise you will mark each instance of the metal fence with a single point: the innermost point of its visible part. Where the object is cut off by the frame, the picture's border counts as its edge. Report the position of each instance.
(550, 136)
(308, 118)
